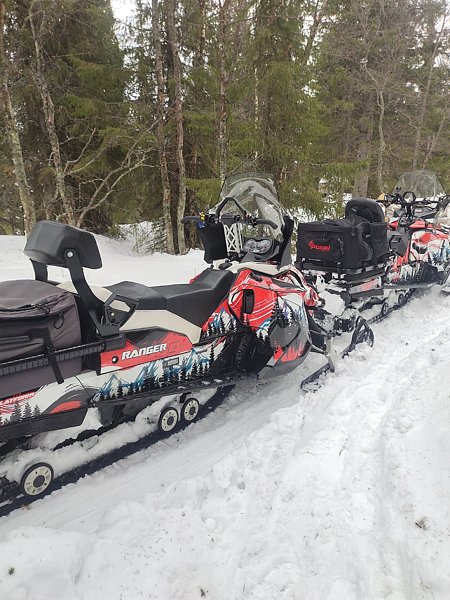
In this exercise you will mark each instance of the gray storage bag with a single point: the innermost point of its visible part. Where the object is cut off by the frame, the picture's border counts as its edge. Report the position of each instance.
(36, 318)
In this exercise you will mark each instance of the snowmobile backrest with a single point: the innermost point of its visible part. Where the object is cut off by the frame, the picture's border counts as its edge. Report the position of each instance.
(367, 209)
(49, 240)
(58, 245)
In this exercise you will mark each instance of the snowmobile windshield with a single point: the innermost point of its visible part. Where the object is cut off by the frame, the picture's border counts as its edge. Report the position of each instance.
(424, 184)
(257, 193)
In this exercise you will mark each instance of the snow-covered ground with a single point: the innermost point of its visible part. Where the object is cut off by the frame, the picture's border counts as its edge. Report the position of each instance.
(342, 494)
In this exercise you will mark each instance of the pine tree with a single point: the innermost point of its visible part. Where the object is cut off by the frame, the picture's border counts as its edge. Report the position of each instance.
(165, 377)
(194, 370)
(221, 325)
(183, 372)
(27, 412)
(16, 414)
(211, 356)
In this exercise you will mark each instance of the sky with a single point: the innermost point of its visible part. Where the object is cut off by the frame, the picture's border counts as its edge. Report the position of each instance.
(122, 8)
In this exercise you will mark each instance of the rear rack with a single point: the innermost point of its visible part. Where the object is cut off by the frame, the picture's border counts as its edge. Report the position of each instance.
(42, 360)
(347, 275)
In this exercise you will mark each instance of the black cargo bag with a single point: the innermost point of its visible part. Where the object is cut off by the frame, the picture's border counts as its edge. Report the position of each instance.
(378, 239)
(36, 318)
(335, 242)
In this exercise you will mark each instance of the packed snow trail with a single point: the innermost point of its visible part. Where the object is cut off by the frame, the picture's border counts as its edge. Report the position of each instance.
(340, 494)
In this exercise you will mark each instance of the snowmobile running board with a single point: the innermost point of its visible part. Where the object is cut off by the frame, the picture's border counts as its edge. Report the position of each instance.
(408, 286)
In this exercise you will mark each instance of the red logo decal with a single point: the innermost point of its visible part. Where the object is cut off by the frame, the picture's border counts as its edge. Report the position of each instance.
(315, 246)
(7, 405)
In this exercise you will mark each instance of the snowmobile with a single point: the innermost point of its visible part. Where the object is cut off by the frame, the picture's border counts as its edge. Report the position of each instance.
(418, 234)
(69, 347)
(363, 263)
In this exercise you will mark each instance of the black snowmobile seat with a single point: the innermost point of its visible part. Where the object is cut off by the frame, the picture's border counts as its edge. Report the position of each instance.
(194, 301)
(367, 209)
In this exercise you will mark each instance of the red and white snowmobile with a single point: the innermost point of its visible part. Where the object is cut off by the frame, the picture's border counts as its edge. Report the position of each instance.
(418, 234)
(361, 263)
(66, 348)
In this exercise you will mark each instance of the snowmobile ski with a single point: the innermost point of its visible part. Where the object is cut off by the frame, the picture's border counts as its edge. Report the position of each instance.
(362, 333)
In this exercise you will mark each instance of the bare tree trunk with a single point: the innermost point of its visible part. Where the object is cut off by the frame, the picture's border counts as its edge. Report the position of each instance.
(319, 12)
(200, 59)
(361, 182)
(49, 113)
(381, 141)
(426, 93)
(29, 211)
(423, 110)
(435, 138)
(178, 114)
(257, 106)
(160, 113)
(223, 82)
(199, 63)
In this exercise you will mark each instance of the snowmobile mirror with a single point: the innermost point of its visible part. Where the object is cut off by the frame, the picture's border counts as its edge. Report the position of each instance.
(409, 197)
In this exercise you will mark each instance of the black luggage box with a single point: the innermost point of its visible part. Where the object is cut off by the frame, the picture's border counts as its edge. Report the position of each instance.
(33, 316)
(334, 241)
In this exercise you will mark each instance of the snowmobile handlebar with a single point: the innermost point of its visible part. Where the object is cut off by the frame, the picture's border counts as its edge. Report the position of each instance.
(228, 218)
(405, 201)
(268, 222)
(191, 219)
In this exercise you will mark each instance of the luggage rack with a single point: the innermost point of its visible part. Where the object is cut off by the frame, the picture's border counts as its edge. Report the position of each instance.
(344, 274)
(42, 360)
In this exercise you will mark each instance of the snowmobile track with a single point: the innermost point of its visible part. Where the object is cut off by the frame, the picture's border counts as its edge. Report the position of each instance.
(14, 500)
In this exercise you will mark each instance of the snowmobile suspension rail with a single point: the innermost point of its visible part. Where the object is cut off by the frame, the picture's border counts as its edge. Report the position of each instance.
(11, 498)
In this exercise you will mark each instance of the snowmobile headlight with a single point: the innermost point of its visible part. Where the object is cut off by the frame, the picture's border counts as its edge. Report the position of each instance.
(258, 246)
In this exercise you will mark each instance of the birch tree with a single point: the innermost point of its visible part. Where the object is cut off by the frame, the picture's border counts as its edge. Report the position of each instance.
(12, 130)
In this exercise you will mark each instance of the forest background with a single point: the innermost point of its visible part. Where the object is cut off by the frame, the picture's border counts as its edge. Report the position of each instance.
(105, 121)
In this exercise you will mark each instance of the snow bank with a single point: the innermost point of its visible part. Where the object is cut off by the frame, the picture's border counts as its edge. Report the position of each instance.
(337, 495)
(119, 263)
